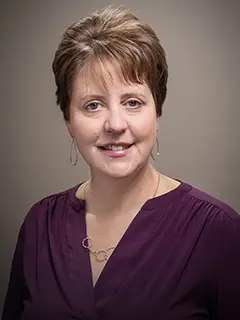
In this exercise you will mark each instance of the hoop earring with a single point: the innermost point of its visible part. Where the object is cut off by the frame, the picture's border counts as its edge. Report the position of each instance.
(73, 148)
(158, 149)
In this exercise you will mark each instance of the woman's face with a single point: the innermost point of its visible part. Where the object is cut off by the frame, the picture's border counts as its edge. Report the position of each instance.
(114, 125)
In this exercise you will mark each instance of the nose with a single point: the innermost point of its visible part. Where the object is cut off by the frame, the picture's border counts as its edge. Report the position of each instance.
(115, 122)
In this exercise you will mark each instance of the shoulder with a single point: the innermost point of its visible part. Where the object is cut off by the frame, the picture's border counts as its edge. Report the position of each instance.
(213, 203)
(51, 207)
(216, 215)
(213, 224)
(208, 204)
(200, 212)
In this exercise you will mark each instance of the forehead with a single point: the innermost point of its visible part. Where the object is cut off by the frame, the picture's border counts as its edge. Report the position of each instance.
(106, 76)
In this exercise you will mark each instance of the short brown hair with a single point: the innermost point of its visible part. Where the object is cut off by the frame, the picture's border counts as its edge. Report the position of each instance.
(114, 35)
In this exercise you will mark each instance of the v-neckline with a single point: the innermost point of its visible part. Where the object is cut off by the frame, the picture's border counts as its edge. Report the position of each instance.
(126, 254)
(109, 261)
(147, 206)
(107, 282)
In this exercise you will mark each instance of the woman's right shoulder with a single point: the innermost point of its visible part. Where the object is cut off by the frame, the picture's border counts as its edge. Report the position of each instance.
(52, 207)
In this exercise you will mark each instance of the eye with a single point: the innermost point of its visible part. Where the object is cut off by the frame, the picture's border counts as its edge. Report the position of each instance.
(93, 106)
(134, 103)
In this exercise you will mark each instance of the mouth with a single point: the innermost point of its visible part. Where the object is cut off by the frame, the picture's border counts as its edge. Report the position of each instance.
(115, 147)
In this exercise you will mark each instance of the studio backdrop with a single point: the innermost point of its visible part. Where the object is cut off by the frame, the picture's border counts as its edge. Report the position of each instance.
(198, 132)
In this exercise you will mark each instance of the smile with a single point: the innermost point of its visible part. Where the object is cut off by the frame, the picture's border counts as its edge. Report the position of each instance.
(116, 151)
(116, 147)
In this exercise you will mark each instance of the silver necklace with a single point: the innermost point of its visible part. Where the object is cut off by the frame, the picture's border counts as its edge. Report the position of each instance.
(103, 254)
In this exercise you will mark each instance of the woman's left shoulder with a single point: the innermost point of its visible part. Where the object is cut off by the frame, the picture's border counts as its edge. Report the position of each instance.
(211, 208)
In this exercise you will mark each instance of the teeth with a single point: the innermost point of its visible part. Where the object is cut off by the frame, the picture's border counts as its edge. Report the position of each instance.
(116, 147)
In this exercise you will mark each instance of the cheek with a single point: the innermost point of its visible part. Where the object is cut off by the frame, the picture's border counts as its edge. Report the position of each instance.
(85, 132)
(146, 130)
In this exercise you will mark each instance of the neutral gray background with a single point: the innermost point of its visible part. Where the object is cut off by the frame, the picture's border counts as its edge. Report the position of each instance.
(199, 131)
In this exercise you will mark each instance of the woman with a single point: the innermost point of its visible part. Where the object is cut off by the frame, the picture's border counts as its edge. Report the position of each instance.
(130, 243)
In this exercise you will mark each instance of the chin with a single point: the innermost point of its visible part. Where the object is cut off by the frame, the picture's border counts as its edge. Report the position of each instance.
(120, 171)
(118, 174)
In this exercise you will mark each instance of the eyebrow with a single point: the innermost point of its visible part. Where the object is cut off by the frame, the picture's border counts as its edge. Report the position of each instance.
(123, 96)
(92, 96)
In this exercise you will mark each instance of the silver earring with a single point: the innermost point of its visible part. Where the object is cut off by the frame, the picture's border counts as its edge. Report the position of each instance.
(73, 150)
(158, 149)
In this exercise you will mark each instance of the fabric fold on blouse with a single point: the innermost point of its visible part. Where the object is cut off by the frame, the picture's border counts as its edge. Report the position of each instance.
(179, 259)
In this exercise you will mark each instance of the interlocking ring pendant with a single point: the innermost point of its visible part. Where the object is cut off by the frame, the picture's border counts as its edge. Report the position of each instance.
(101, 255)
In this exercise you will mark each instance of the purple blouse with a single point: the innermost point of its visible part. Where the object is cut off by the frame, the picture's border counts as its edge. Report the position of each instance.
(179, 259)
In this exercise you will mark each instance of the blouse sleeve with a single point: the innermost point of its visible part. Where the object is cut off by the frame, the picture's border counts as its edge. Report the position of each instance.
(228, 287)
(16, 292)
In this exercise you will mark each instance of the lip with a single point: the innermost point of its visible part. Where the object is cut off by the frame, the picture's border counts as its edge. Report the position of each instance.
(119, 143)
(116, 153)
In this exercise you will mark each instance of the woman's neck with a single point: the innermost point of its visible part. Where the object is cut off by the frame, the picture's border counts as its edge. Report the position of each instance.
(107, 197)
